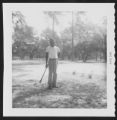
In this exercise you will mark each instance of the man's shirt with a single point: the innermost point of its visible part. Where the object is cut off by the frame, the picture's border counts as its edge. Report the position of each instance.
(53, 52)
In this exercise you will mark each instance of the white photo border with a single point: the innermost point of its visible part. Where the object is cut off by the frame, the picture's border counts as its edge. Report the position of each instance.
(7, 82)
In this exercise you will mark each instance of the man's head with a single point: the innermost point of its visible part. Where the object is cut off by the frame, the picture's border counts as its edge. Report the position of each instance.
(52, 42)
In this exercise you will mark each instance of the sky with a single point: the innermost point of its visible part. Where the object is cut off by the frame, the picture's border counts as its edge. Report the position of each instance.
(34, 15)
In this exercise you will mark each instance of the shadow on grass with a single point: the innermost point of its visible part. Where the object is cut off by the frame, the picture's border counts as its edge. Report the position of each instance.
(28, 63)
(67, 95)
(18, 68)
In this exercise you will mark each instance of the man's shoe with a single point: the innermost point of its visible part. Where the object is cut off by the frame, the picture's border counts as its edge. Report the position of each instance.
(49, 87)
(55, 86)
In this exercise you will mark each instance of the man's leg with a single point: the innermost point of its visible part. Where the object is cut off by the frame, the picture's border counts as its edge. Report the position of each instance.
(50, 75)
(54, 73)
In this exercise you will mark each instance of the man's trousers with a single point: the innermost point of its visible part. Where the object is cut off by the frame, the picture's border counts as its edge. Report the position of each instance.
(52, 72)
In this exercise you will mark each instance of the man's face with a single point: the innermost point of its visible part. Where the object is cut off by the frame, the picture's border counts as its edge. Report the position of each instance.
(52, 43)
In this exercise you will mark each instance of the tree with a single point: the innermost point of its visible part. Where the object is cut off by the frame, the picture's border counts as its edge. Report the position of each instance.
(66, 47)
(48, 33)
(18, 19)
(53, 15)
(23, 36)
(89, 39)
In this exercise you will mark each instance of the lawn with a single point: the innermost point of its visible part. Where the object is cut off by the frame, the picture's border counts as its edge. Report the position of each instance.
(80, 85)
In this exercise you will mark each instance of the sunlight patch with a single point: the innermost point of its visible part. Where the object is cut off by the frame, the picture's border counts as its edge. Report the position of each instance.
(57, 97)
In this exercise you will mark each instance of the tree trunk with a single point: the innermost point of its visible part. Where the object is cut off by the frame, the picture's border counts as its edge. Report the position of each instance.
(53, 25)
(72, 39)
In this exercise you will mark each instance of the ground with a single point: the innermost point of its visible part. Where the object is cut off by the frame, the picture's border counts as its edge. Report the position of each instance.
(80, 85)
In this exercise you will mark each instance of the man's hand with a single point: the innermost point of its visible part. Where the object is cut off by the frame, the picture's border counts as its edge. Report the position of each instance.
(46, 65)
(46, 60)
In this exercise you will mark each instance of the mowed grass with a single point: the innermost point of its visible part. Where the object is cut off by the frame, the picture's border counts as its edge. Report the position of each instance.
(80, 85)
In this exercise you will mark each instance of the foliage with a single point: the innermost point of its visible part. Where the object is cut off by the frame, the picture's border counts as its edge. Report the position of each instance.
(89, 39)
(24, 40)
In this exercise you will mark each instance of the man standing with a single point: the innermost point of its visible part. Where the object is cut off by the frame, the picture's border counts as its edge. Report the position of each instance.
(52, 54)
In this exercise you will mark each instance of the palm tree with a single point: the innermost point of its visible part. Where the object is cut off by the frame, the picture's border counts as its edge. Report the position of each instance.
(53, 15)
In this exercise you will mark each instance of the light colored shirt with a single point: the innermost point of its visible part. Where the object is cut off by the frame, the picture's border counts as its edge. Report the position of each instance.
(52, 52)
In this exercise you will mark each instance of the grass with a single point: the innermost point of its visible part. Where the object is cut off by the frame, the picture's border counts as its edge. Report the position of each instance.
(79, 90)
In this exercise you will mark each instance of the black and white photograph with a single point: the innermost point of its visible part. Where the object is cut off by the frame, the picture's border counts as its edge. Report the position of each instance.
(59, 59)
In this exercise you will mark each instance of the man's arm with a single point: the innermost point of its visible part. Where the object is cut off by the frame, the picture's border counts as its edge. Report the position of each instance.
(46, 59)
(58, 54)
